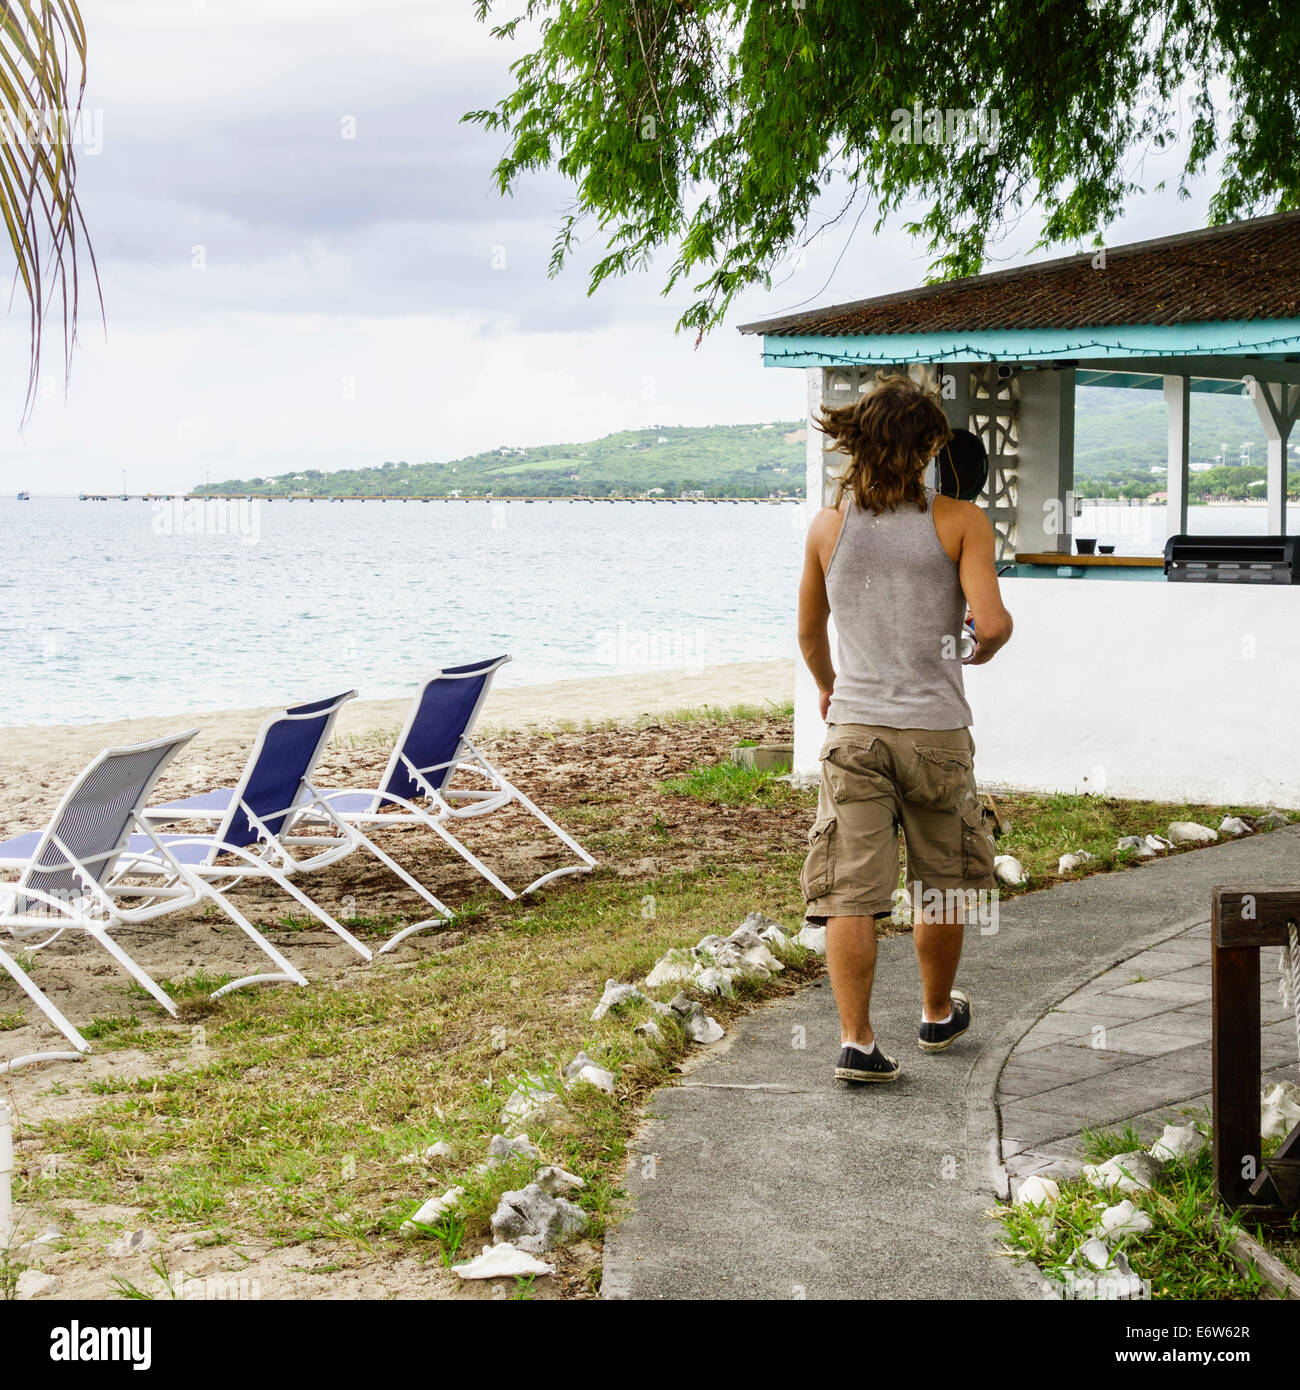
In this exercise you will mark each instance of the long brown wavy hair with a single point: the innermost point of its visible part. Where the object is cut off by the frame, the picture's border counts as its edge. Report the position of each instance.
(889, 435)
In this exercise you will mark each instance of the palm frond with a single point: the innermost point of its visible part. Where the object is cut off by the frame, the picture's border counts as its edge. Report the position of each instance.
(42, 83)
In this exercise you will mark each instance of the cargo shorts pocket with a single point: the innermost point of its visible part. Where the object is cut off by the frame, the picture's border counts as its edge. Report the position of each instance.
(856, 769)
(818, 874)
(938, 778)
(977, 848)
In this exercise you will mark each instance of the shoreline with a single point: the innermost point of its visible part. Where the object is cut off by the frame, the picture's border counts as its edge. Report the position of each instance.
(38, 761)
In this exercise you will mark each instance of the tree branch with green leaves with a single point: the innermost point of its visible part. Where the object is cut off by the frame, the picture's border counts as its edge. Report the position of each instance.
(714, 128)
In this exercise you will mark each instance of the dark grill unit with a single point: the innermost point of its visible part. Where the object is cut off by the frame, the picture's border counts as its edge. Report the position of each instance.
(1233, 559)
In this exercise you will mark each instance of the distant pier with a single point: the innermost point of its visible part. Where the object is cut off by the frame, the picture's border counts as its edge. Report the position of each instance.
(357, 497)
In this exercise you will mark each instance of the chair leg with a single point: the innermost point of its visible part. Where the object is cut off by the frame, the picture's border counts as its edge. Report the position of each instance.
(588, 862)
(318, 912)
(410, 881)
(136, 973)
(30, 988)
(287, 974)
(555, 830)
(471, 859)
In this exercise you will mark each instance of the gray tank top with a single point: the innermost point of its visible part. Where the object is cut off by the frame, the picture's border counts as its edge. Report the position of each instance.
(898, 609)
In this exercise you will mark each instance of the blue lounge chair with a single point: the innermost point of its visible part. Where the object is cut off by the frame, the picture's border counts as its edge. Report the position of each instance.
(259, 822)
(432, 751)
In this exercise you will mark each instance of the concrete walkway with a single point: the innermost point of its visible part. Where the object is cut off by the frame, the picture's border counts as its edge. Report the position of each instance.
(759, 1177)
(1132, 1047)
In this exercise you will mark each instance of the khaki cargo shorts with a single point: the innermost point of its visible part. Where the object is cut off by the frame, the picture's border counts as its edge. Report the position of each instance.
(874, 779)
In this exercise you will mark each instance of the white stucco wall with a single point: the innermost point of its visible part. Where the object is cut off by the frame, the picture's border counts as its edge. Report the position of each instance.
(1133, 689)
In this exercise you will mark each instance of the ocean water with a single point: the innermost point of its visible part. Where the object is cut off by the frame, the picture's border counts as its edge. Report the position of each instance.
(112, 610)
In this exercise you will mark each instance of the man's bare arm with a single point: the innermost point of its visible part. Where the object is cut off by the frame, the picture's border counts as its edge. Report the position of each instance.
(814, 605)
(979, 582)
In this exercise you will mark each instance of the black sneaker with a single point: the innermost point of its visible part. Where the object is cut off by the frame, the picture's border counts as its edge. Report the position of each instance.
(856, 1065)
(935, 1037)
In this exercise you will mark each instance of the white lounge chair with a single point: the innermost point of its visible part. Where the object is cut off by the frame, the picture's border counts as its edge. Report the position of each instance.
(69, 876)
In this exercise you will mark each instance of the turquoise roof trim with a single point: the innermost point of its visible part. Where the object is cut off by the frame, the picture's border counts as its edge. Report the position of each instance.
(1237, 338)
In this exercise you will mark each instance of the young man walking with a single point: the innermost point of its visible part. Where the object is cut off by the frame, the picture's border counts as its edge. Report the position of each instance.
(897, 567)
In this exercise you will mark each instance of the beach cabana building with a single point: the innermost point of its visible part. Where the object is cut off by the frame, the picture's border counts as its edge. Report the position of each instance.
(1144, 688)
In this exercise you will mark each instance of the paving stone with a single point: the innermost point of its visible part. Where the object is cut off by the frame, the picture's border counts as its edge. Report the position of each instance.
(1110, 1006)
(1054, 1166)
(1036, 1128)
(1017, 1082)
(1148, 1039)
(1103, 1099)
(1198, 974)
(1112, 979)
(1053, 1028)
(1163, 989)
(1181, 948)
(1068, 1147)
(1058, 1065)
(1159, 964)
(1270, 1010)
(1068, 1051)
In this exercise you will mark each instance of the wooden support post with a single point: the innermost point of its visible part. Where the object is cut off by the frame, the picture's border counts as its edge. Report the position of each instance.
(1234, 974)
(1243, 920)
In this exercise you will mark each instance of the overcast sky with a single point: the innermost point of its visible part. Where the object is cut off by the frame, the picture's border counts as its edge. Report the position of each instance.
(342, 305)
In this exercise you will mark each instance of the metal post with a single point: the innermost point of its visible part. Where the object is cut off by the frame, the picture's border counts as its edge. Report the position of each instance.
(6, 1175)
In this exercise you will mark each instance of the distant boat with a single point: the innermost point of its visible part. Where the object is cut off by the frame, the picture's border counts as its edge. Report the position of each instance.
(24, 497)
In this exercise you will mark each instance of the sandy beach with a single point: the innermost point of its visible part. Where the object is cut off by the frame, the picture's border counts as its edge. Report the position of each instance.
(38, 761)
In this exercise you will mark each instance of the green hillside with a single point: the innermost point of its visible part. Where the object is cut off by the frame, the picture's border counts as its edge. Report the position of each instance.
(719, 460)
(1119, 436)
(1119, 430)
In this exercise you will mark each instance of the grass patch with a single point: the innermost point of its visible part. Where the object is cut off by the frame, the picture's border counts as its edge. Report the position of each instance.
(1186, 1254)
(689, 714)
(1042, 828)
(730, 784)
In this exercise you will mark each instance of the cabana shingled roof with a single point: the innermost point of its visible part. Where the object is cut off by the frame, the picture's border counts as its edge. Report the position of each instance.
(1243, 270)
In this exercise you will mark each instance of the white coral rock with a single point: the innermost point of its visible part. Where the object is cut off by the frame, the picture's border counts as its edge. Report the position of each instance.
(1177, 1141)
(502, 1261)
(1008, 869)
(433, 1211)
(1037, 1191)
(1190, 832)
(1123, 1219)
